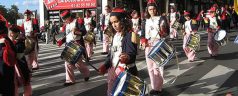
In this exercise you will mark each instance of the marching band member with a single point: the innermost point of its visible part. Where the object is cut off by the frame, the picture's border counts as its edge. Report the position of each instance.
(31, 28)
(89, 28)
(224, 17)
(214, 23)
(104, 24)
(156, 27)
(173, 15)
(75, 30)
(190, 29)
(21, 68)
(8, 61)
(123, 50)
(136, 21)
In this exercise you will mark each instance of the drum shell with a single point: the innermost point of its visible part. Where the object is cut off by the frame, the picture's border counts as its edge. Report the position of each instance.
(161, 52)
(132, 85)
(29, 45)
(89, 37)
(193, 42)
(72, 52)
(109, 32)
(176, 25)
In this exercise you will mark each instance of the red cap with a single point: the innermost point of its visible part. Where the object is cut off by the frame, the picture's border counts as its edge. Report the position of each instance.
(118, 12)
(150, 1)
(28, 12)
(212, 9)
(214, 5)
(65, 13)
(186, 13)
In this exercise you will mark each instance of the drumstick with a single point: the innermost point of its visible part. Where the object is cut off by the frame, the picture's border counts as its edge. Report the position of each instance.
(91, 65)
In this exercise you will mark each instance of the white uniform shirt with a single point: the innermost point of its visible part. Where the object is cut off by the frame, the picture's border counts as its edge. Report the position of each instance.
(69, 28)
(188, 28)
(152, 28)
(28, 27)
(107, 19)
(87, 22)
(135, 23)
(117, 48)
(213, 23)
(172, 16)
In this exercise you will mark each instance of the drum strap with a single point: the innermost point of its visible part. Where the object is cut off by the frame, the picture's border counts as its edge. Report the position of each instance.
(178, 68)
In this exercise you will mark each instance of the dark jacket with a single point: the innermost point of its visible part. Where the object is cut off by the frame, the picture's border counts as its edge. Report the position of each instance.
(129, 48)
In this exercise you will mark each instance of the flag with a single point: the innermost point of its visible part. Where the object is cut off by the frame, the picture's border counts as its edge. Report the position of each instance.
(236, 6)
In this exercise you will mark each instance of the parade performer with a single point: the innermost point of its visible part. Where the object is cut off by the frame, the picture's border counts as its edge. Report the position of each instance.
(8, 61)
(190, 27)
(104, 24)
(123, 51)
(21, 68)
(173, 17)
(75, 30)
(88, 22)
(156, 27)
(224, 18)
(213, 27)
(136, 21)
(31, 28)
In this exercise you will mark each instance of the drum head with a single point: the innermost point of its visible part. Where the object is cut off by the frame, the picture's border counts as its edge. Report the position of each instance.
(221, 34)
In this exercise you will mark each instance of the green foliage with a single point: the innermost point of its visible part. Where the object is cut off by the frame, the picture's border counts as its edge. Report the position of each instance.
(10, 14)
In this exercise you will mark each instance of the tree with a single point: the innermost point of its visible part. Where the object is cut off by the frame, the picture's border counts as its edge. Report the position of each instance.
(3, 10)
(10, 14)
(13, 14)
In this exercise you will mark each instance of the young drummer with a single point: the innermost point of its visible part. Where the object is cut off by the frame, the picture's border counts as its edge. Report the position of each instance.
(30, 29)
(21, 68)
(156, 27)
(213, 27)
(75, 30)
(190, 29)
(123, 50)
(8, 61)
(88, 22)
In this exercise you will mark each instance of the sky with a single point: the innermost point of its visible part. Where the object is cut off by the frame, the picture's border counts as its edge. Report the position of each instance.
(21, 4)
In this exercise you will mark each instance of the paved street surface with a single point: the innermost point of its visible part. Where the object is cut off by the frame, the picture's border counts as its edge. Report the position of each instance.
(204, 77)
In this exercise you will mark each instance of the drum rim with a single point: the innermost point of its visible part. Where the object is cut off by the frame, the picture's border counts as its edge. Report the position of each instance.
(216, 37)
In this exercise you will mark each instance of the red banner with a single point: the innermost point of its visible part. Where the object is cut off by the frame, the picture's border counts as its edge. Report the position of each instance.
(50, 4)
(72, 4)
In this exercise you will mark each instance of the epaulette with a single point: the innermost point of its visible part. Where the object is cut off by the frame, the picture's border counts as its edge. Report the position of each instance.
(135, 38)
(80, 21)
(194, 21)
(35, 21)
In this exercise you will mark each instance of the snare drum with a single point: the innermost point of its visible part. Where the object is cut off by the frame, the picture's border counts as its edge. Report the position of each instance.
(89, 37)
(161, 52)
(128, 85)
(29, 45)
(220, 37)
(72, 52)
(193, 42)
